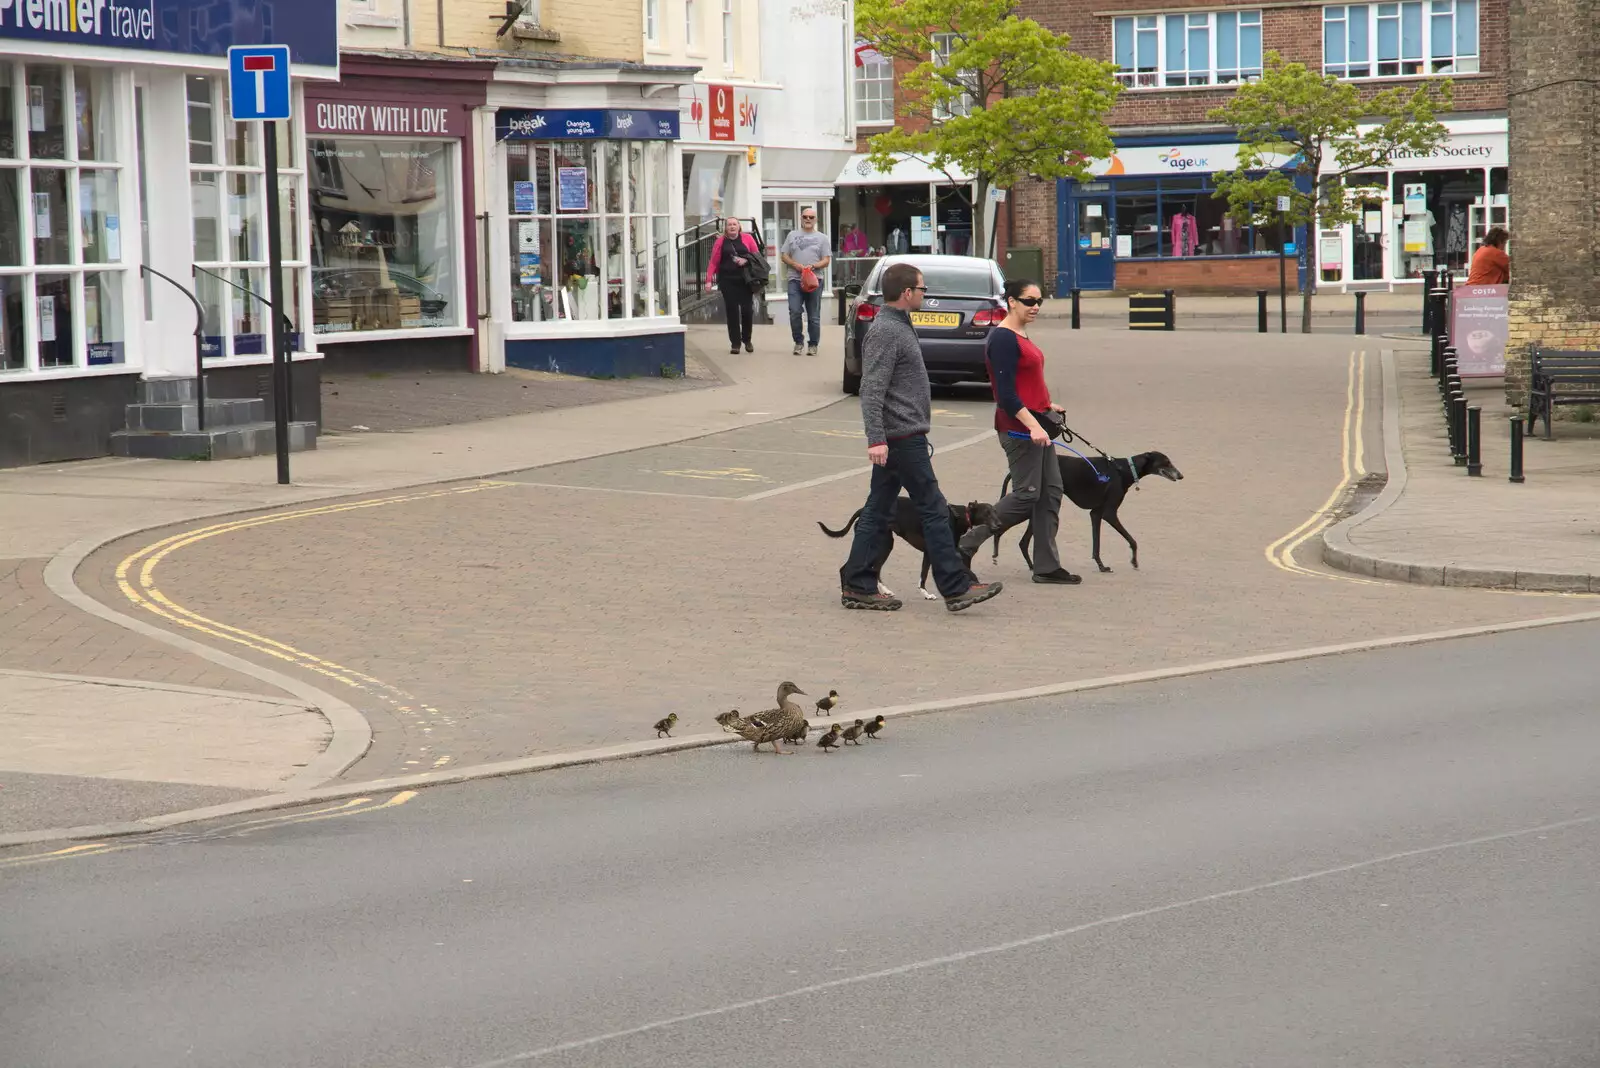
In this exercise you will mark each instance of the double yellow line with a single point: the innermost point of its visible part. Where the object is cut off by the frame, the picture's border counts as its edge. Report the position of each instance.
(355, 806)
(1352, 461)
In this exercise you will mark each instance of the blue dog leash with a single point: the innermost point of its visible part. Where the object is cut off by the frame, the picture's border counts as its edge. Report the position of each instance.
(1062, 445)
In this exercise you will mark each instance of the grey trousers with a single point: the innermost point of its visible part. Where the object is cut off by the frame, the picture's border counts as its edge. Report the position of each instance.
(1036, 495)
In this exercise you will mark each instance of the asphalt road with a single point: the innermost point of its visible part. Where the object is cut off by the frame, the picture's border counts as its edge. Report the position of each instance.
(1385, 859)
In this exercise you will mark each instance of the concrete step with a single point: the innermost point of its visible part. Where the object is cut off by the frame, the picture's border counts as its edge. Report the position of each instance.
(167, 391)
(179, 416)
(215, 443)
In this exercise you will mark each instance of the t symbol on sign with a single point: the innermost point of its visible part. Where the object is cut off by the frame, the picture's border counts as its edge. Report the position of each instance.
(260, 66)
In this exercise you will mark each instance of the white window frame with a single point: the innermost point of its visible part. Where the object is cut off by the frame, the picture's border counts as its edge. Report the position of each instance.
(292, 178)
(1159, 28)
(943, 45)
(652, 21)
(727, 34)
(689, 35)
(23, 165)
(1365, 22)
(873, 81)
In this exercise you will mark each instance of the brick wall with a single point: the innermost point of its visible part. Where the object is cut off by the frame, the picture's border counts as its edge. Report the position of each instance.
(1555, 220)
(1244, 275)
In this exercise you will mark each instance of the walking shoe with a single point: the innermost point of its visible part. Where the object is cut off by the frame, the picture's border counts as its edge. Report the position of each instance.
(871, 602)
(734, 351)
(1059, 577)
(798, 349)
(977, 593)
(811, 350)
(749, 347)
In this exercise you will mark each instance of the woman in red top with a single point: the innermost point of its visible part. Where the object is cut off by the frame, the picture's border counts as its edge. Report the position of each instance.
(1490, 264)
(732, 255)
(1022, 407)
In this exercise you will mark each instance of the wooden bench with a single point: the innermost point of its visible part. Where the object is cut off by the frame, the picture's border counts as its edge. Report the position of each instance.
(1560, 377)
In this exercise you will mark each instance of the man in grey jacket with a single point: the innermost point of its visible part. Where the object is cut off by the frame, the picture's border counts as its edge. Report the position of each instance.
(896, 409)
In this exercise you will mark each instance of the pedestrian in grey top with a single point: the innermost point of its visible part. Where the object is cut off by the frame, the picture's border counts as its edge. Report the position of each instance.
(896, 411)
(806, 247)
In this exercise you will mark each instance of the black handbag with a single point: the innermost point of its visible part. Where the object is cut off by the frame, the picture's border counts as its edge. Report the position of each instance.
(756, 272)
(1052, 423)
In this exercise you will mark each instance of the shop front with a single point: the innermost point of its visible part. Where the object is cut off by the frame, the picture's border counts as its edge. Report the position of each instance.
(116, 151)
(1421, 213)
(583, 277)
(721, 152)
(390, 151)
(1149, 218)
(912, 207)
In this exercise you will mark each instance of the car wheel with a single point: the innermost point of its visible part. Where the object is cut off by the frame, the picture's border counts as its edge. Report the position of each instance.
(852, 383)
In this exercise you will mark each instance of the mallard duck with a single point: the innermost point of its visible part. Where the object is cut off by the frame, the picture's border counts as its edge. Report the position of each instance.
(852, 735)
(829, 741)
(664, 726)
(874, 727)
(773, 725)
(826, 705)
(799, 735)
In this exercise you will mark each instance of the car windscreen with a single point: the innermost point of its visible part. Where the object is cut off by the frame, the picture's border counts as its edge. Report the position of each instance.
(958, 282)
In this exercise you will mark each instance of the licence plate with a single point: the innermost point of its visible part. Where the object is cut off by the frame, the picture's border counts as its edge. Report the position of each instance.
(935, 319)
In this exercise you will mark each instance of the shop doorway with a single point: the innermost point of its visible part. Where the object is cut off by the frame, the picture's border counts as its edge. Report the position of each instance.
(780, 218)
(1091, 237)
(1367, 234)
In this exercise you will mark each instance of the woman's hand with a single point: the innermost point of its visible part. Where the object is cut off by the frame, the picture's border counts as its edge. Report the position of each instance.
(1037, 435)
(1058, 409)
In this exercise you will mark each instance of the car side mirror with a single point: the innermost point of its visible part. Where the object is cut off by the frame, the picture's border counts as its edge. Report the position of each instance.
(852, 290)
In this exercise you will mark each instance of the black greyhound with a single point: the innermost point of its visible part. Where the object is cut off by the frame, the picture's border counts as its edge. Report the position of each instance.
(1080, 483)
(908, 524)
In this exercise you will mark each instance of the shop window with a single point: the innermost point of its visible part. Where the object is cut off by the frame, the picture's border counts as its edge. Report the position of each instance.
(228, 211)
(590, 230)
(1414, 37)
(874, 86)
(62, 260)
(385, 250)
(1202, 48)
(1179, 218)
(1433, 219)
(1139, 223)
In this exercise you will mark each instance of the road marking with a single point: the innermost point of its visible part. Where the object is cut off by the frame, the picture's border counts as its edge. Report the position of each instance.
(136, 578)
(1034, 940)
(854, 472)
(728, 474)
(636, 492)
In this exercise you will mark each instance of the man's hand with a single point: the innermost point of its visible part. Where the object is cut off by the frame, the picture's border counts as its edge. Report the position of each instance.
(879, 454)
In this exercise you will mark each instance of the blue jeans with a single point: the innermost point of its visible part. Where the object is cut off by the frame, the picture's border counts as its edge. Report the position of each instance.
(910, 465)
(811, 304)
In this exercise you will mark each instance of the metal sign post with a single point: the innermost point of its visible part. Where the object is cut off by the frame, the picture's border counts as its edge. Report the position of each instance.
(1283, 265)
(259, 90)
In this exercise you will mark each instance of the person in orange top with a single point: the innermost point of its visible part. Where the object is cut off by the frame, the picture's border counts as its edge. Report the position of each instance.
(1490, 264)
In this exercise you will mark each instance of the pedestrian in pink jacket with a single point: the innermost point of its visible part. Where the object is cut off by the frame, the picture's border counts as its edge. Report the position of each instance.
(736, 268)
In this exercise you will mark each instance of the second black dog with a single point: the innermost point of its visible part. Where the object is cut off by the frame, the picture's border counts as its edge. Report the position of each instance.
(908, 524)
(1080, 483)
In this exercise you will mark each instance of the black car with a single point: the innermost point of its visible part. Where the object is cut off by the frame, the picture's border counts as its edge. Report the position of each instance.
(965, 297)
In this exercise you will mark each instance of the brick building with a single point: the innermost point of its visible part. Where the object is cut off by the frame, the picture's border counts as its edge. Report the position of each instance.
(1555, 122)
(1148, 220)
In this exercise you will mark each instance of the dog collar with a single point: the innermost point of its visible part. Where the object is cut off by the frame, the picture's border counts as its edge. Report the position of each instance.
(1133, 470)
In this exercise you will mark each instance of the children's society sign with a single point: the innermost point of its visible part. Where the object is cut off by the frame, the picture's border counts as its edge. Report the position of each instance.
(1480, 329)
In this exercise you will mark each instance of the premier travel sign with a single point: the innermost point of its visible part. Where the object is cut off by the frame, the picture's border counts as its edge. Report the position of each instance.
(186, 27)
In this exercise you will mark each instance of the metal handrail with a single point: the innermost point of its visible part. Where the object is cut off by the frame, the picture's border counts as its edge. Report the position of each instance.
(285, 331)
(199, 340)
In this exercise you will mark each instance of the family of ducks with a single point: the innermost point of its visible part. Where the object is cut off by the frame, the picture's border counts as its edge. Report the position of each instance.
(787, 723)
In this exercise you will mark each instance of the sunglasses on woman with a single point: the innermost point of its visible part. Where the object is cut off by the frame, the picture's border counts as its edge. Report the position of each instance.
(1029, 302)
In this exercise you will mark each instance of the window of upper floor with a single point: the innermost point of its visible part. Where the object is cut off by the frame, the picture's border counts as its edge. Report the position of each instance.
(1194, 48)
(691, 25)
(943, 45)
(874, 85)
(652, 21)
(727, 34)
(1393, 40)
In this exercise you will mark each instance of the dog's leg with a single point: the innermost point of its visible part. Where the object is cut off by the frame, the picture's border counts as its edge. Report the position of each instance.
(1027, 540)
(927, 565)
(886, 591)
(1095, 515)
(1116, 525)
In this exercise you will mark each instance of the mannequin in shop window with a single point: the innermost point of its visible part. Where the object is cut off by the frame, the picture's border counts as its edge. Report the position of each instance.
(1231, 243)
(1455, 237)
(1185, 234)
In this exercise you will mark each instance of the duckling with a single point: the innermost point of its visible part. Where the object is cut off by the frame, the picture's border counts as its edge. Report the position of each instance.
(773, 725)
(852, 735)
(874, 727)
(664, 726)
(799, 735)
(728, 719)
(829, 741)
(826, 705)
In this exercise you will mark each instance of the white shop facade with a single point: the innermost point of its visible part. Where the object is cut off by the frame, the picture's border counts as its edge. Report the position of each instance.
(116, 151)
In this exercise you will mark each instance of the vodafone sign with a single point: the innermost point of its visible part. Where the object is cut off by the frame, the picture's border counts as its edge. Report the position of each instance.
(719, 113)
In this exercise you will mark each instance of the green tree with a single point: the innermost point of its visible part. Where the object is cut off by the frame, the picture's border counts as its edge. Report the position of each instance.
(1328, 132)
(1001, 97)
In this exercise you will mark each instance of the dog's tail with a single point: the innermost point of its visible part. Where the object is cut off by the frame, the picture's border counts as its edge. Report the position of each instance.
(847, 526)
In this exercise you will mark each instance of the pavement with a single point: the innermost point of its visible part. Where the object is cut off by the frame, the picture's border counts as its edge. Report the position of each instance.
(1435, 525)
(1384, 859)
(538, 589)
(1331, 313)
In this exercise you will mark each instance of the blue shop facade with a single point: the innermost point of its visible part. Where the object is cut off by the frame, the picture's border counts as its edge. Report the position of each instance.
(584, 202)
(1148, 219)
(116, 151)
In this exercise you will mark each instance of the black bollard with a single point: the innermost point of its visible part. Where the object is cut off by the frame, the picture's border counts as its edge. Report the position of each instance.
(1436, 356)
(1261, 311)
(1429, 279)
(1458, 409)
(1361, 313)
(1172, 309)
(1474, 441)
(1077, 311)
(1516, 449)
